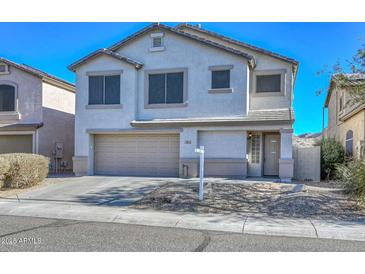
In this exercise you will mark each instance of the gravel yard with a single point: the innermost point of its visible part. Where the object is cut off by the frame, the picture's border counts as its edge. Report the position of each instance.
(271, 199)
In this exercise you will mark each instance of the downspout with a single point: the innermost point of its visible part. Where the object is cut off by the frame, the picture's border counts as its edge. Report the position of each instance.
(136, 94)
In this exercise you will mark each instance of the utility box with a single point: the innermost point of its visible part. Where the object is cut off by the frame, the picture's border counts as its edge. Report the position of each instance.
(58, 150)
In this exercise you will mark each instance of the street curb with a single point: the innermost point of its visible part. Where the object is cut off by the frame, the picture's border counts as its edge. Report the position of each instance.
(244, 224)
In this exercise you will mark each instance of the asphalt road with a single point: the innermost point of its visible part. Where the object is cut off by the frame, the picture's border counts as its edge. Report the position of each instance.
(40, 234)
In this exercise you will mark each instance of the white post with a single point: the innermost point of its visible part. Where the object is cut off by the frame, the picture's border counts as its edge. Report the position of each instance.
(201, 172)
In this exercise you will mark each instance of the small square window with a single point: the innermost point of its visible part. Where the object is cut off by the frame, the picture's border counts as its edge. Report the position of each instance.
(220, 79)
(156, 42)
(3, 68)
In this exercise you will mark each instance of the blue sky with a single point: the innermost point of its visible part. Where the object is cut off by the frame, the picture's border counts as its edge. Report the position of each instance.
(53, 46)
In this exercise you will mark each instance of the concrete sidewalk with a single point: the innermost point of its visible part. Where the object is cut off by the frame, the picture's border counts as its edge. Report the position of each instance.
(248, 224)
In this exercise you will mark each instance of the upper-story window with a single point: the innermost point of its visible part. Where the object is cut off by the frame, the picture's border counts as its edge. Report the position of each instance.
(341, 103)
(166, 88)
(104, 89)
(270, 82)
(157, 42)
(7, 98)
(349, 143)
(221, 79)
(4, 68)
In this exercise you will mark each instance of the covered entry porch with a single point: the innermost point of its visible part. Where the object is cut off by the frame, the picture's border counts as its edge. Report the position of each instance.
(270, 153)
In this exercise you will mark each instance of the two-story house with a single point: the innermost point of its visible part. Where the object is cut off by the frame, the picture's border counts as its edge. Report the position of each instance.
(37, 113)
(346, 119)
(144, 104)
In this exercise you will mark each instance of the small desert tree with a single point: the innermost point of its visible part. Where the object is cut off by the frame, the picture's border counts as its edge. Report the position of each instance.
(354, 82)
(332, 154)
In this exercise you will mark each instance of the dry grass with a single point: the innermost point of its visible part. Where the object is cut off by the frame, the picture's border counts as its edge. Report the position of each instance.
(22, 170)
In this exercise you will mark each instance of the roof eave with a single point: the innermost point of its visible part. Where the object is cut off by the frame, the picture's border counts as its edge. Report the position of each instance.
(230, 40)
(107, 52)
(162, 124)
(41, 75)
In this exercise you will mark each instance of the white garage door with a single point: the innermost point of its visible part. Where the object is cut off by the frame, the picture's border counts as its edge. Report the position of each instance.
(139, 155)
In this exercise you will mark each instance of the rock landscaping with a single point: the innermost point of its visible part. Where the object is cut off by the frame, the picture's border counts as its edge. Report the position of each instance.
(269, 199)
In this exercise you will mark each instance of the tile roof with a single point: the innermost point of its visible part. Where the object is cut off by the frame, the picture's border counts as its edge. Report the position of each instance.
(186, 35)
(354, 78)
(274, 115)
(108, 52)
(239, 43)
(35, 71)
(19, 127)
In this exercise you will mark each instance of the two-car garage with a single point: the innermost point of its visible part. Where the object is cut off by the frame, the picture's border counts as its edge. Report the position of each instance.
(136, 154)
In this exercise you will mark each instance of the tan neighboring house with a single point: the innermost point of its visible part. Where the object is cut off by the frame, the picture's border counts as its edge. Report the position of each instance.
(345, 121)
(37, 113)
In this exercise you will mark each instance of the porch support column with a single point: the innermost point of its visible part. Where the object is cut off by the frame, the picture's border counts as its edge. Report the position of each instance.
(286, 161)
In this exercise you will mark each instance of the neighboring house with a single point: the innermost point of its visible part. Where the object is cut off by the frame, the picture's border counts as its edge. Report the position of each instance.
(346, 121)
(144, 104)
(37, 113)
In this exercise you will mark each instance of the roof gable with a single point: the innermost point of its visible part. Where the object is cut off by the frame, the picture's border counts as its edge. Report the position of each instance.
(157, 26)
(353, 79)
(41, 74)
(107, 52)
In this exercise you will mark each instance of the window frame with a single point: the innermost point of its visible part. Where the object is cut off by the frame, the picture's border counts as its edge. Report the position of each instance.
(157, 35)
(104, 74)
(147, 105)
(340, 107)
(347, 139)
(220, 68)
(15, 111)
(254, 158)
(6, 68)
(283, 77)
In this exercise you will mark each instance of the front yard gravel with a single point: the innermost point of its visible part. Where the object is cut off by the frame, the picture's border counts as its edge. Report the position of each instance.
(269, 199)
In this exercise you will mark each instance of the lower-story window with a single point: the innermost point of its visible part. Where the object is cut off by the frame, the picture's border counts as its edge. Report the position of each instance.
(254, 148)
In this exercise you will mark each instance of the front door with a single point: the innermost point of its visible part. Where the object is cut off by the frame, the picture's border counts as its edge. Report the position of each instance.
(271, 152)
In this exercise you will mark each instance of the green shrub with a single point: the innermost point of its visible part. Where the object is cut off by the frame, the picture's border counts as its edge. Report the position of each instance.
(352, 175)
(21, 170)
(332, 153)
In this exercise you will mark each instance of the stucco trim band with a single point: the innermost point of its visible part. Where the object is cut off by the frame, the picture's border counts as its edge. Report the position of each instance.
(104, 106)
(220, 90)
(131, 131)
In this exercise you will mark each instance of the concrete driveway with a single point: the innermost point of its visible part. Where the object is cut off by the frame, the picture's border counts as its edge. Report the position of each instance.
(95, 190)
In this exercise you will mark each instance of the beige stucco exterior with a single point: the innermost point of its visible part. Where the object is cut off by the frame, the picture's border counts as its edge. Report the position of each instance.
(44, 110)
(340, 122)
